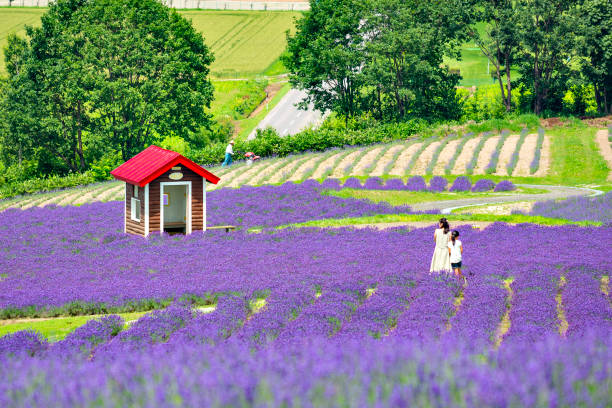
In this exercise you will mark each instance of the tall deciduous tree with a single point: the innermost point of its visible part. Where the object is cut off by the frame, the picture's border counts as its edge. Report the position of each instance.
(406, 43)
(595, 44)
(547, 34)
(109, 74)
(499, 41)
(326, 55)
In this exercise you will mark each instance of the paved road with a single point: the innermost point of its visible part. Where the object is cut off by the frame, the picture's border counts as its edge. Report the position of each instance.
(554, 193)
(285, 117)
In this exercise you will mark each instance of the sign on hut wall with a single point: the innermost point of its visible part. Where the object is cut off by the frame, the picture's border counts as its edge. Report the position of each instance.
(175, 176)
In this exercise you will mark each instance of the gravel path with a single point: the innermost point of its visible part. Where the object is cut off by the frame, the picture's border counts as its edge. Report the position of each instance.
(554, 193)
(605, 148)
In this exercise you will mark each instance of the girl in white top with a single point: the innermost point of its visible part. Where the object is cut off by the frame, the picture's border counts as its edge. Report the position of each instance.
(455, 251)
(440, 260)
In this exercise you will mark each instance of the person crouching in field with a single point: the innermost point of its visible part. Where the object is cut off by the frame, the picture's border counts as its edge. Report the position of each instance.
(229, 152)
(440, 260)
(455, 251)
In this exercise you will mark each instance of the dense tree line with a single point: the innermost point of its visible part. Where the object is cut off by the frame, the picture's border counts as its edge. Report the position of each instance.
(385, 57)
(98, 79)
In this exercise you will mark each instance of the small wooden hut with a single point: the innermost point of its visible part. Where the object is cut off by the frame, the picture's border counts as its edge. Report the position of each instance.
(164, 191)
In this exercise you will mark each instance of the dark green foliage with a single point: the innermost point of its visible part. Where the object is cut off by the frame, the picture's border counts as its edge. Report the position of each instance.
(100, 76)
(269, 143)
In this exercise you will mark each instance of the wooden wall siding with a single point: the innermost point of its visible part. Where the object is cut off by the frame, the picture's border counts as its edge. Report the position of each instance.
(197, 216)
(132, 226)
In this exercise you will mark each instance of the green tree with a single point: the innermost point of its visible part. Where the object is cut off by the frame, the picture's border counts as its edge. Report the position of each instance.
(547, 35)
(109, 75)
(326, 54)
(406, 42)
(499, 40)
(595, 45)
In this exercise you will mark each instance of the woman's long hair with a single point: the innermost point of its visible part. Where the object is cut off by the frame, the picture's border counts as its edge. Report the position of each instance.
(445, 225)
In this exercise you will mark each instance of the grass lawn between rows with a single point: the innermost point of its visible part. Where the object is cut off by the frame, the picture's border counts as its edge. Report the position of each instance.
(413, 197)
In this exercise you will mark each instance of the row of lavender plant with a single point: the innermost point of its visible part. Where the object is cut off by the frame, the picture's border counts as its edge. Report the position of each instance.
(451, 163)
(436, 154)
(515, 155)
(535, 163)
(598, 209)
(417, 183)
(469, 169)
(417, 154)
(492, 166)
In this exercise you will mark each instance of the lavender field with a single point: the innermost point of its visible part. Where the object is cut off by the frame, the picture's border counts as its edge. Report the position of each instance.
(350, 317)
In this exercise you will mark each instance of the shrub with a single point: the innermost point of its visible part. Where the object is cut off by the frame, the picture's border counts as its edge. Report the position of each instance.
(416, 183)
(352, 182)
(24, 342)
(331, 184)
(483, 185)
(45, 184)
(394, 184)
(373, 183)
(505, 185)
(437, 184)
(461, 184)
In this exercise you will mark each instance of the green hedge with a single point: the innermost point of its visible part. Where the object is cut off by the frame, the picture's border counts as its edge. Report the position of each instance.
(44, 184)
(268, 143)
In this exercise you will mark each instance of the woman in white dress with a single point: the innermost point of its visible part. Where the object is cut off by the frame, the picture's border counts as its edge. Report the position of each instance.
(441, 259)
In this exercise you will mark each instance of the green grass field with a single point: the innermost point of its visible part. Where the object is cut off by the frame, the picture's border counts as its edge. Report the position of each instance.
(245, 43)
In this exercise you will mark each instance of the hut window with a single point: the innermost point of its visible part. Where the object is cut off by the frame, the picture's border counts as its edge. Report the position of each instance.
(135, 207)
(136, 191)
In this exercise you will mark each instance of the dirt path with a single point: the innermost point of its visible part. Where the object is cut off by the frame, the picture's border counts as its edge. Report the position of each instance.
(445, 156)
(499, 209)
(416, 224)
(384, 160)
(506, 154)
(466, 155)
(399, 168)
(366, 162)
(271, 91)
(605, 148)
(544, 158)
(526, 156)
(485, 154)
(327, 164)
(51, 200)
(338, 172)
(422, 162)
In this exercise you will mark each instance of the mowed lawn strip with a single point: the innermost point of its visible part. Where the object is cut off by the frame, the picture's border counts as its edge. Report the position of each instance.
(413, 197)
(575, 156)
(433, 219)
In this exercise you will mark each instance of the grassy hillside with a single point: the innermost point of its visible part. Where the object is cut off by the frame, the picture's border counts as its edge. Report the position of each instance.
(245, 43)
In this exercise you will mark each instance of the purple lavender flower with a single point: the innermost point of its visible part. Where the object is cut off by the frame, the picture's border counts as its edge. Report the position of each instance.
(373, 183)
(352, 182)
(437, 184)
(504, 185)
(331, 184)
(394, 184)
(483, 185)
(416, 183)
(461, 183)
(22, 343)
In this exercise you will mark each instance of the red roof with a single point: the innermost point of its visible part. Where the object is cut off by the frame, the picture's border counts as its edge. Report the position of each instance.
(154, 161)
